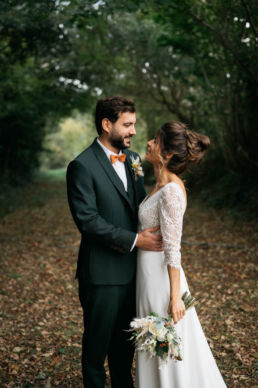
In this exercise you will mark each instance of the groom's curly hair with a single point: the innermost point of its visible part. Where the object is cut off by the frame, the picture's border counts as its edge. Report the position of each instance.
(111, 108)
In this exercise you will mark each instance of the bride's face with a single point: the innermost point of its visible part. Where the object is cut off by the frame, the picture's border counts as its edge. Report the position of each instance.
(153, 151)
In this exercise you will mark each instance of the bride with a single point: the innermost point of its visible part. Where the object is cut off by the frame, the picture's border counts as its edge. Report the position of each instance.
(160, 278)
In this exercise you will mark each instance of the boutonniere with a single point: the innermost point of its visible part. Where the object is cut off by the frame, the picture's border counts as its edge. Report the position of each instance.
(137, 167)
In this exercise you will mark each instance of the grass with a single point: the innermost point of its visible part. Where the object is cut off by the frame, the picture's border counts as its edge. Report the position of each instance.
(14, 197)
(58, 174)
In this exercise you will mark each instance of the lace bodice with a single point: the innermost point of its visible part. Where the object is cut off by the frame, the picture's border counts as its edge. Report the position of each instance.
(166, 209)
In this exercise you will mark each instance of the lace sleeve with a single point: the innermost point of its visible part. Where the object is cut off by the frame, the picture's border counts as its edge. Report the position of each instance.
(171, 212)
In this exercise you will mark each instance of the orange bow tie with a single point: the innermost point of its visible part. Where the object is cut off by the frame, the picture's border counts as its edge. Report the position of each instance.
(115, 158)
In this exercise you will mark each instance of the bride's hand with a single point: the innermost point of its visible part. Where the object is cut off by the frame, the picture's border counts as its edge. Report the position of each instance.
(176, 308)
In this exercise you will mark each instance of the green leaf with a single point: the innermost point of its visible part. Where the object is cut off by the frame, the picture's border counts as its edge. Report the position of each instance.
(41, 376)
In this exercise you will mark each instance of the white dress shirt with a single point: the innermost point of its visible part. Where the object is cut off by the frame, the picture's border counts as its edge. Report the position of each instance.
(119, 168)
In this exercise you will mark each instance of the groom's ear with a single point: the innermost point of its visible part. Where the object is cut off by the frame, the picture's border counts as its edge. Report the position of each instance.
(106, 126)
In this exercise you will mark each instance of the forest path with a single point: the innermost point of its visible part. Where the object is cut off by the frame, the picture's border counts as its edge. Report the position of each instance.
(40, 315)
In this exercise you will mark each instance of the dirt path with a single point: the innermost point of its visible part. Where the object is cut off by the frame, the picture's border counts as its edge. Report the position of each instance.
(40, 314)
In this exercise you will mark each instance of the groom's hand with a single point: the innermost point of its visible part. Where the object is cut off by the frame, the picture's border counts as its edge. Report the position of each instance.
(148, 241)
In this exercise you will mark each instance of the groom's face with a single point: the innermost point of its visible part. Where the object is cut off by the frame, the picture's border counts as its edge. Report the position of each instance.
(122, 131)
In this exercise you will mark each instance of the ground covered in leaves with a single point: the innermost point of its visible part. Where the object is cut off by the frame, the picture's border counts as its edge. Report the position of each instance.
(40, 315)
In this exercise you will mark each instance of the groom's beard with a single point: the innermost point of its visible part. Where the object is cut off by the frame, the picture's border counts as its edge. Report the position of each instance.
(117, 141)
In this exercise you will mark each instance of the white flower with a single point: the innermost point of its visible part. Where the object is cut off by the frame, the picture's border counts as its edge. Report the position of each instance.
(169, 337)
(138, 323)
(137, 167)
(159, 333)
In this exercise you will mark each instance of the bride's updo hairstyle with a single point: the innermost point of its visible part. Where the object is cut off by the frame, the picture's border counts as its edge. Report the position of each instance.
(183, 145)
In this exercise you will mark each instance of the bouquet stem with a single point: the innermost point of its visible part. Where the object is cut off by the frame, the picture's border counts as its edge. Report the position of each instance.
(189, 300)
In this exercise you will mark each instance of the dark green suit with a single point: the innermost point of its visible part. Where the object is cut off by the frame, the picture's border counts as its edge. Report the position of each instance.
(106, 216)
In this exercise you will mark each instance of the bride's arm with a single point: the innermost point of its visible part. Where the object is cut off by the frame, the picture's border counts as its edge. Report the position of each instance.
(176, 306)
(171, 221)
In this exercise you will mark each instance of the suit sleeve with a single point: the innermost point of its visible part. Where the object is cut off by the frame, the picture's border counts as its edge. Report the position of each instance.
(82, 202)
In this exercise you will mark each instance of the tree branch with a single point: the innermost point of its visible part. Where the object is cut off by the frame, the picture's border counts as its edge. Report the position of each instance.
(224, 42)
(249, 17)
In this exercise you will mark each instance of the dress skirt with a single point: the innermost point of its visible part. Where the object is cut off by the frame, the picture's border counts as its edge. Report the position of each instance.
(198, 368)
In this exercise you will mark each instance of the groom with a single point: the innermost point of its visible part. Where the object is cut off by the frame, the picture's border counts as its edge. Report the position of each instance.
(104, 193)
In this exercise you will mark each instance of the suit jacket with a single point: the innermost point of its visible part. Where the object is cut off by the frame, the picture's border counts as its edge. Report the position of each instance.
(106, 215)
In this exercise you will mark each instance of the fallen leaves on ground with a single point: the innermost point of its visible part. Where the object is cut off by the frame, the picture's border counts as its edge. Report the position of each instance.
(41, 318)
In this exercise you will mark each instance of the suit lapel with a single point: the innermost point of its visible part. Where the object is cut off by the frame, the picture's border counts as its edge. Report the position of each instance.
(107, 166)
(129, 162)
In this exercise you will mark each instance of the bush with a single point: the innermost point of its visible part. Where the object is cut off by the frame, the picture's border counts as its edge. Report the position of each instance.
(149, 178)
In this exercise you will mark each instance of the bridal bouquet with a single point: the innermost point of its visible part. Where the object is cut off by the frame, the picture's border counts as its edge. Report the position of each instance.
(157, 335)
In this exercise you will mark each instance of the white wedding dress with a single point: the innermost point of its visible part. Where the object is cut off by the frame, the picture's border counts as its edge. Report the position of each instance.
(198, 369)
